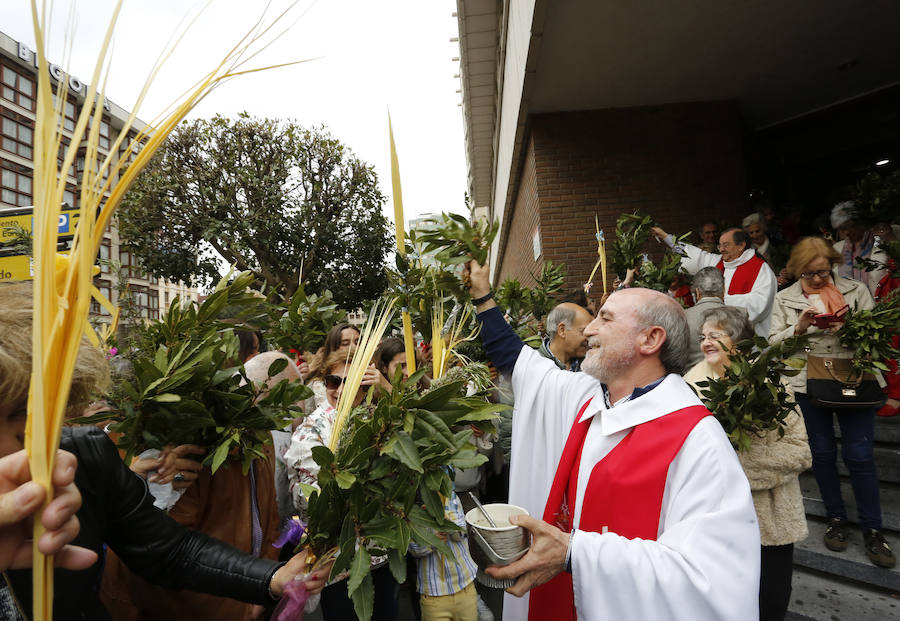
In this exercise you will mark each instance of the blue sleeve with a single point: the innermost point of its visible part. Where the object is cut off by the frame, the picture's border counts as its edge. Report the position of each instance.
(502, 344)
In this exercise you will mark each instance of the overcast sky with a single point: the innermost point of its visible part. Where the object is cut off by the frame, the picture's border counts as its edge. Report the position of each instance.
(370, 56)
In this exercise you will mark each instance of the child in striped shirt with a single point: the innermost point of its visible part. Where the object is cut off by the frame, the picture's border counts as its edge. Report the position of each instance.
(447, 586)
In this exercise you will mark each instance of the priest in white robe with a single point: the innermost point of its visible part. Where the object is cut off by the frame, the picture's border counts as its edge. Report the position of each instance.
(749, 281)
(696, 552)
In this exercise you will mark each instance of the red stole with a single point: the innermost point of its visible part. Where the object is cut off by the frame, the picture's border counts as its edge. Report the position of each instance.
(744, 275)
(624, 493)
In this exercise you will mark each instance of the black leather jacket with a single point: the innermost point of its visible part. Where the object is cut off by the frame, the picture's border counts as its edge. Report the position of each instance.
(118, 511)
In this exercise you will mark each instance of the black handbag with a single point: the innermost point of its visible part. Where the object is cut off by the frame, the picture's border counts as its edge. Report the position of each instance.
(831, 382)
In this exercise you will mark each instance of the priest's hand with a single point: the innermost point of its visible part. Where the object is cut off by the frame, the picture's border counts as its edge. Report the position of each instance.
(545, 559)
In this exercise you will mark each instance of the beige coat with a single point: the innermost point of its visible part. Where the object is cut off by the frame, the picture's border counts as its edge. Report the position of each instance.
(790, 302)
(772, 464)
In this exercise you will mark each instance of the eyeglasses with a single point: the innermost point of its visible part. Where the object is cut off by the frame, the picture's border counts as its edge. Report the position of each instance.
(712, 336)
(332, 382)
(819, 273)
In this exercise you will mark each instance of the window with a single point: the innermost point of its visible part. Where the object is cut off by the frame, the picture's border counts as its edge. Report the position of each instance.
(15, 185)
(18, 88)
(153, 308)
(145, 300)
(103, 140)
(18, 137)
(69, 196)
(131, 267)
(104, 287)
(69, 116)
(103, 256)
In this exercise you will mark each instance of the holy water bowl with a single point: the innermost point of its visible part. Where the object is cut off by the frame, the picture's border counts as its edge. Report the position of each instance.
(496, 546)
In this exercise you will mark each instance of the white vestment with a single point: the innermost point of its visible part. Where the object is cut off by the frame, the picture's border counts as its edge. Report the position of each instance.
(705, 561)
(758, 303)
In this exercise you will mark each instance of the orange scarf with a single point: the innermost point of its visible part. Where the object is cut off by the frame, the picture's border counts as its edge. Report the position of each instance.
(829, 294)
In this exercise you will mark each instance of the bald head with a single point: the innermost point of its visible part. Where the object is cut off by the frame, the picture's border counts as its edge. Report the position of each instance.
(258, 368)
(651, 308)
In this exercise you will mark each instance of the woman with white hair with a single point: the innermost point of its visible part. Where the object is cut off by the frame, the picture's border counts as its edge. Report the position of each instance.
(856, 242)
(772, 464)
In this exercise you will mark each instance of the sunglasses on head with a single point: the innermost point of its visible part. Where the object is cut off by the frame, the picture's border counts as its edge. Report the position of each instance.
(333, 381)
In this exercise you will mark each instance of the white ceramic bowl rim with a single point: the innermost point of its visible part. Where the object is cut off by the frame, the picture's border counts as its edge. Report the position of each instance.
(513, 510)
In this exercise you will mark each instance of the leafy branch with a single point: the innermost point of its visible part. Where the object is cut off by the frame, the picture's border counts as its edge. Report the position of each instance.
(456, 240)
(304, 322)
(749, 400)
(869, 334)
(187, 386)
(384, 486)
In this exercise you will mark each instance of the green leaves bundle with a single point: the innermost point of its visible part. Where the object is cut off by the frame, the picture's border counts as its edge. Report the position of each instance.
(632, 232)
(386, 483)
(187, 386)
(750, 400)
(455, 240)
(891, 250)
(868, 334)
(305, 321)
(548, 283)
(659, 276)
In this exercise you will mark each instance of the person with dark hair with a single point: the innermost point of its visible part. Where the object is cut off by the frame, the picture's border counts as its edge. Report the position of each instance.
(250, 344)
(638, 507)
(390, 356)
(341, 336)
(709, 236)
(749, 282)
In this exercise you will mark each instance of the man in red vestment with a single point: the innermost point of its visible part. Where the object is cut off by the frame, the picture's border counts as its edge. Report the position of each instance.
(640, 508)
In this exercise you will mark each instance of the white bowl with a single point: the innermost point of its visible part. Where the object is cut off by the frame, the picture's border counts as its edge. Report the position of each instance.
(496, 546)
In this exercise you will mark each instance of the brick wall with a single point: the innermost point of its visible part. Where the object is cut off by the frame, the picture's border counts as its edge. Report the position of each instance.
(681, 163)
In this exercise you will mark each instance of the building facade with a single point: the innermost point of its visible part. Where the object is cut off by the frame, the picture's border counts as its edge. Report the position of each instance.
(120, 273)
(680, 110)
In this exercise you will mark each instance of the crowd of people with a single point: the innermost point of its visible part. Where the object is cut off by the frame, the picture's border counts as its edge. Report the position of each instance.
(638, 506)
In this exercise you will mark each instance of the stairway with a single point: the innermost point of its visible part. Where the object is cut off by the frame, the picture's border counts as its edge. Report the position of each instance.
(833, 586)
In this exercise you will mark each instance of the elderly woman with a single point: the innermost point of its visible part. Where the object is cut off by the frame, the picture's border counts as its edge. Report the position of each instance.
(819, 289)
(315, 430)
(772, 464)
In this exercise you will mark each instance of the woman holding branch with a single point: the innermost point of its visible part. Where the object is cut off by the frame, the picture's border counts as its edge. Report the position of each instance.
(820, 293)
(315, 430)
(772, 464)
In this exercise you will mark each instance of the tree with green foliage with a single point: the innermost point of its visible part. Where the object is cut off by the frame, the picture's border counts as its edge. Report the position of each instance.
(266, 196)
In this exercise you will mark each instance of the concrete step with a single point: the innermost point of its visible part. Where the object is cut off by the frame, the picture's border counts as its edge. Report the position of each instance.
(887, 461)
(852, 564)
(818, 596)
(890, 501)
(887, 430)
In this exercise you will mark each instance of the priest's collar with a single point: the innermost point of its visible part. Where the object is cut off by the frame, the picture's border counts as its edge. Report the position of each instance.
(658, 398)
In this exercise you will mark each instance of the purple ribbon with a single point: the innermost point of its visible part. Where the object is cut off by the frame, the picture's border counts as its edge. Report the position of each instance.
(290, 534)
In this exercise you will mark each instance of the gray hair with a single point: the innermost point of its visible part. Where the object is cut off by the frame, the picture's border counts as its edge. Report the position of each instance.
(562, 314)
(668, 315)
(753, 218)
(710, 282)
(731, 319)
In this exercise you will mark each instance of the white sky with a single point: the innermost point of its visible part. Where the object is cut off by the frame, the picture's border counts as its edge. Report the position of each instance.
(371, 56)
